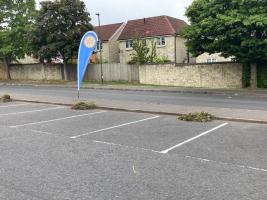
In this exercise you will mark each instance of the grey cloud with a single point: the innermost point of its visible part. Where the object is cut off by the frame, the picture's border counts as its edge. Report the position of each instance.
(113, 11)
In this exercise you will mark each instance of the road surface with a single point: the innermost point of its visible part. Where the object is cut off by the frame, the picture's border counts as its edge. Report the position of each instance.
(155, 97)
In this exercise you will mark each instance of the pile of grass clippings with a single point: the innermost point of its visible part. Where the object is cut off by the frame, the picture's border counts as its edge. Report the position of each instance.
(5, 98)
(197, 117)
(84, 106)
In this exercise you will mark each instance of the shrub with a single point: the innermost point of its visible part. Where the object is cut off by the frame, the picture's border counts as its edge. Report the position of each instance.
(142, 52)
(197, 117)
(161, 60)
(84, 106)
(246, 75)
(132, 62)
(156, 60)
(5, 98)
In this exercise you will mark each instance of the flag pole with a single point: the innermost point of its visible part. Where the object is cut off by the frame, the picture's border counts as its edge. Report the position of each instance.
(78, 77)
(87, 46)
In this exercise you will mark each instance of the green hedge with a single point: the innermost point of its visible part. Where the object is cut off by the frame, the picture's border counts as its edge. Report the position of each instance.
(246, 75)
(262, 75)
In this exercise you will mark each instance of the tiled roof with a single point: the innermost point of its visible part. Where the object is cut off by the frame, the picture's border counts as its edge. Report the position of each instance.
(152, 26)
(107, 31)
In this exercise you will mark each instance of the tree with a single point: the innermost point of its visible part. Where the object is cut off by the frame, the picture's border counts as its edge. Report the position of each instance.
(16, 17)
(231, 27)
(58, 30)
(141, 52)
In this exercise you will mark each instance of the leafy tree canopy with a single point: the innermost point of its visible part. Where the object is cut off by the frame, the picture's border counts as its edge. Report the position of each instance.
(231, 27)
(58, 29)
(16, 17)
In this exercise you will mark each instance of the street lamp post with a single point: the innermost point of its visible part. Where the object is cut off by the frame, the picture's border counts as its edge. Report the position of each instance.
(100, 45)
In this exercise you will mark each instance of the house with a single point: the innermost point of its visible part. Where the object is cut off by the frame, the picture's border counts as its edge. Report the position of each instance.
(26, 60)
(109, 46)
(164, 30)
(212, 58)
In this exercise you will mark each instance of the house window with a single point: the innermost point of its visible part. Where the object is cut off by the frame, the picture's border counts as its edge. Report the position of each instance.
(161, 41)
(99, 46)
(211, 60)
(129, 44)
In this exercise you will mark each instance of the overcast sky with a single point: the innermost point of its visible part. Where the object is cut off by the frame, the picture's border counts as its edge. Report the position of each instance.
(114, 11)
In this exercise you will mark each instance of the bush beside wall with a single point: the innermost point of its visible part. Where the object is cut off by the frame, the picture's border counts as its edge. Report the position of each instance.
(246, 75)
(262, 75)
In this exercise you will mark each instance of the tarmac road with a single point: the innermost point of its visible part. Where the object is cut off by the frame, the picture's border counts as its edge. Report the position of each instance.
(234, 101)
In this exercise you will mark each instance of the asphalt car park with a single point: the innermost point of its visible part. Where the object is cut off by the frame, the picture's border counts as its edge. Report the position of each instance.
(53, 152)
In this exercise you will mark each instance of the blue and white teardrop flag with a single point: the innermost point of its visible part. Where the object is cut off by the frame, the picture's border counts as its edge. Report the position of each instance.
(87, 47)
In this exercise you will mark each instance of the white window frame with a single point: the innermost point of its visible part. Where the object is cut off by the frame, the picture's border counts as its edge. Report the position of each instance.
(211, 60)
(161, 41)
(129, 44)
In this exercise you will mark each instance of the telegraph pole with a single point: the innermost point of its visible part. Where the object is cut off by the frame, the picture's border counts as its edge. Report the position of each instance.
(100, 45)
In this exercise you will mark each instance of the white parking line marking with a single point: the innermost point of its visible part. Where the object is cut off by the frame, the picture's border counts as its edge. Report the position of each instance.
(191, 157)
(42, 132)
(32, 111)
(125, 146)
(224, 163)
(193, 138)
(257, 169)
(13, 105)
(112, 127)
(59, 119)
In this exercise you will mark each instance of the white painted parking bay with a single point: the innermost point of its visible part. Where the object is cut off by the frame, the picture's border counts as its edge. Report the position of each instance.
(158, 133)
(37, 115)
(102, 121)
(127, 155)
(237, 143)
(22, 107)
(9, 105)
(56, 119)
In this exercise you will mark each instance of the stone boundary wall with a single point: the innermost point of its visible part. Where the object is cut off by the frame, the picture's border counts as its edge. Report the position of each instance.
(39, 72)
(35, 72)
(216, 75)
